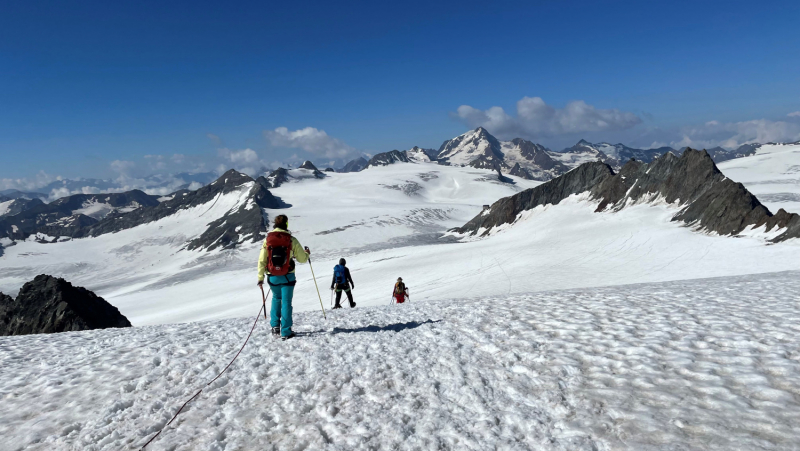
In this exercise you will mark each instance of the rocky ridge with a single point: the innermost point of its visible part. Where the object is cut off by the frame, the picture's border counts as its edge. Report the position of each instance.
(49, 304)
(708, 200)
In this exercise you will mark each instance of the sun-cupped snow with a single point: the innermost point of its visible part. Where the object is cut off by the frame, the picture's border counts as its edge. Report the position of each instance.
(706, 364)
(772, 174)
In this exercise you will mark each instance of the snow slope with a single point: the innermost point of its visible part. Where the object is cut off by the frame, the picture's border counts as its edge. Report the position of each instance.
(708, 364)
(144, 272)
(388, 222)
(4, 206)
(772, 174)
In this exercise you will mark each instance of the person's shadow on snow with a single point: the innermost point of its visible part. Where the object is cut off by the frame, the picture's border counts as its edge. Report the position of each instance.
(397, 327)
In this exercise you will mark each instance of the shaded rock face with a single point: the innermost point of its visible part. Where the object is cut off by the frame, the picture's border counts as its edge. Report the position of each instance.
(539, 155)
(708, 200)
(505, 210)
(277, 178)
(484, 162)
(66, 216)
(48, 304)
(310, 166)
(519, 171)
(357, 165)
(387, 158)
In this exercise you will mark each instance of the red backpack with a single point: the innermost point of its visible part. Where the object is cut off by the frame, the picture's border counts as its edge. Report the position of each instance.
(279, 251)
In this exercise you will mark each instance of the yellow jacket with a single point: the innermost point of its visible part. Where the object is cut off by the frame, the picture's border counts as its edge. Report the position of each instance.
(297, 252)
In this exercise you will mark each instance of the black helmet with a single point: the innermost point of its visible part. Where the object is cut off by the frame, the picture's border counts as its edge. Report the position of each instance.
(342, 261)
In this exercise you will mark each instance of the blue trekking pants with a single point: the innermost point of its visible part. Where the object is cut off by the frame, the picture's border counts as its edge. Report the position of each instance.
(281, 311)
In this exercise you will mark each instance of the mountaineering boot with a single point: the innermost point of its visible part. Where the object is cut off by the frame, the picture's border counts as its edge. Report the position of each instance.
(276, 331)
(291, 335)
(337, 306)
(352, 304)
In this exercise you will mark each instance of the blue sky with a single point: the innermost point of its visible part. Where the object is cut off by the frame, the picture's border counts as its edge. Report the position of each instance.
(91, 89)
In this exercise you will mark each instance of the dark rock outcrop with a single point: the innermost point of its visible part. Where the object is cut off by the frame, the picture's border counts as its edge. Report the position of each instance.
(310, 166)
(505, 210)
(519, 171)
(357, 165)
(48, 304)
(387, 158)
(277, 178)
(329, 170)
(484, 162)
(709, 201)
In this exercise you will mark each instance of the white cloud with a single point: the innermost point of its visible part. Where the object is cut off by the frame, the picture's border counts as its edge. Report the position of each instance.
(536, 119)
(245, 160)
(26, 184)
(311, 140)
(733, 134)
(122, 166)
(795, 114)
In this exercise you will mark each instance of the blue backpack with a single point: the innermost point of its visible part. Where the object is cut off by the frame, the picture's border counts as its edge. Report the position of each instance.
(339, 274)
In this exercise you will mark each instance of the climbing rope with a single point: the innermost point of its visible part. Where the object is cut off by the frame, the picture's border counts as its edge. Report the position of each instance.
(264, 308)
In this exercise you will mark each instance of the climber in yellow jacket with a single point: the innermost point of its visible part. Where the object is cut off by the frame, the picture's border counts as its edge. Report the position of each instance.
(280, 248)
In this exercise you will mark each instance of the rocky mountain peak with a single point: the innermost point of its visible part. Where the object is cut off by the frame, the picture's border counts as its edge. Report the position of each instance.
(707, 199)
(48, 304)
(308, 165)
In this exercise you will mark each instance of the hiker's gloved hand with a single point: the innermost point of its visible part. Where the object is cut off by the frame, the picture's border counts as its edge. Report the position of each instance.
(260, 283)
(331, 287)
(308, 251)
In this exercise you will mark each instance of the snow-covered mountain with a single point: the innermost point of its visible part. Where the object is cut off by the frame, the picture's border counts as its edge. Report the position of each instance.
(420, 155)
(387, 158)
(17, 194)
(478, 148)
(11, 207)
(65, 216)
(771, 172)
(573, 324)
(359, 164)
(704, 199)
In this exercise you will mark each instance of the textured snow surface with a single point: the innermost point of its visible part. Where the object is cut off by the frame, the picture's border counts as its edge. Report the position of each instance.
(703, 364)
(772, 175)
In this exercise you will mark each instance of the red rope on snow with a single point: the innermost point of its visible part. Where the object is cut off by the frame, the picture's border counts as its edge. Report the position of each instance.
(263, 307)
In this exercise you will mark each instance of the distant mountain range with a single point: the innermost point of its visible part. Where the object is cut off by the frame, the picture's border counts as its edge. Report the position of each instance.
(522, 158)
(152, 183)
(85, 215)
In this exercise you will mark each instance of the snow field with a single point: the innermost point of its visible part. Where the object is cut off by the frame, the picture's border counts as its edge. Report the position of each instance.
(772, 175)
(703, 364)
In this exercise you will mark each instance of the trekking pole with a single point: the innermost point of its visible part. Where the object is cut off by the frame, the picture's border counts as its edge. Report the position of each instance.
(264, 298)
(315, 284)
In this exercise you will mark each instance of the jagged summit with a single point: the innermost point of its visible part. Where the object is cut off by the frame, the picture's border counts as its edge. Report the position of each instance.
(387, 158)
(707, 199)
(308, 165)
